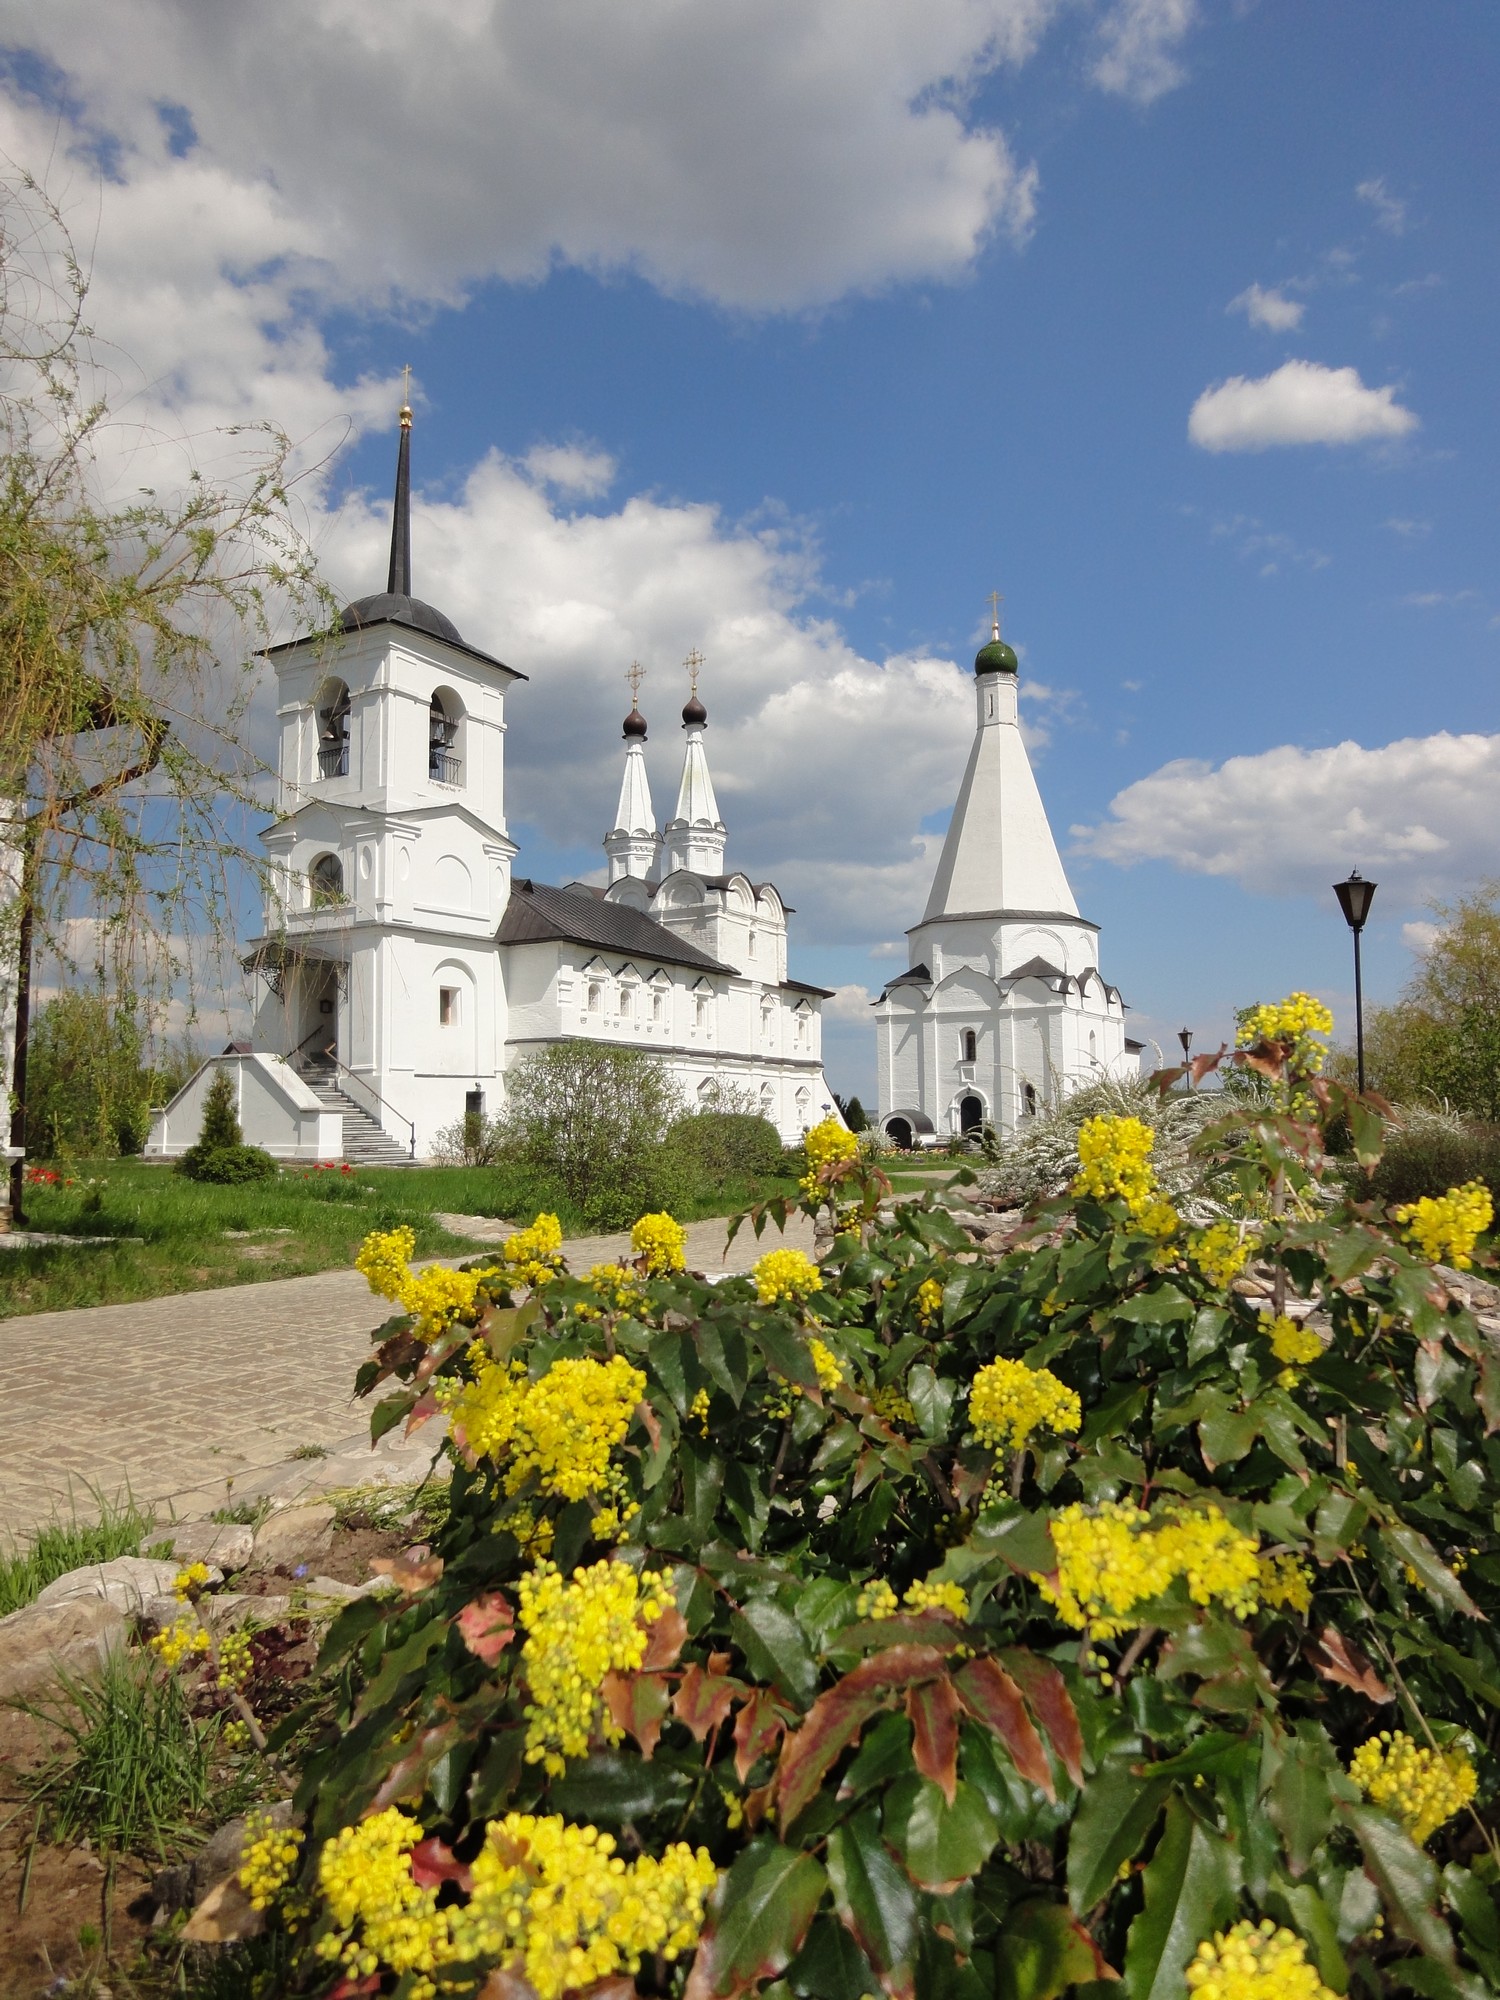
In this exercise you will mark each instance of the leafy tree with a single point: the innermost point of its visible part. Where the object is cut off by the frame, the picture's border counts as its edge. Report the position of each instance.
(128, 634)
(220, 1153)
(1441, 1039)
(591, 1118)
(854, 1113)
(90, 1087)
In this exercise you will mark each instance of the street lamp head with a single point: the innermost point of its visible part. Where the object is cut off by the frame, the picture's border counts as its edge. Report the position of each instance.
(1355, 897)
(1185, 1036)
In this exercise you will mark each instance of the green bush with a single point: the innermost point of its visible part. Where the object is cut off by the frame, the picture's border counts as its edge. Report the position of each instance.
(220, 1154)
(1432, 1153)
(1010, 1626)
(590, 1118)
(727, 1145)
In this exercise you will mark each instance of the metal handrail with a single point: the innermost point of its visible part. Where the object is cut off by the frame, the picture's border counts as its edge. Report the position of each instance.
(366, 1085)
(334, 761)
(304, 1042)
(442, 767)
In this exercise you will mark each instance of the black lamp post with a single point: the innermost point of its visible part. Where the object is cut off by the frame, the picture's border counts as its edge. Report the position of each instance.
(1185, 1036)
(1355, 897)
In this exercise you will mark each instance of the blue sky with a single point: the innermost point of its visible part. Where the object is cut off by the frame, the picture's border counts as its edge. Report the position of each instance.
(791, 333)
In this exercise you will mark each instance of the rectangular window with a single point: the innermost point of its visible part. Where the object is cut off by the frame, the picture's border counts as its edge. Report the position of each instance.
(448, 1006)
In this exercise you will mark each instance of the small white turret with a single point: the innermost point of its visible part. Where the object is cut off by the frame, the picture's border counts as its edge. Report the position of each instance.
(633, 844)
(695, 834)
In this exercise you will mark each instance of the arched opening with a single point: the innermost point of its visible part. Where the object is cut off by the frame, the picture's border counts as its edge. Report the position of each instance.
(1093, 1046)
(970, 1113)
(1029, 1103)
(333, 730)
(971, 1045)
(899, 1133)
(325, 882)
(443, 764)
(768, 1102)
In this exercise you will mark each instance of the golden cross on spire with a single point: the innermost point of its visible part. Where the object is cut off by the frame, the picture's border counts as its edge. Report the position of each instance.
(406, 397)
(694, 664)
(996, 600)
(635, 676)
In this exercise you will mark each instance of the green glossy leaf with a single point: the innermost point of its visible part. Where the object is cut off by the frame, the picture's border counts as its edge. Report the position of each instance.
(1406, 1878)
(1300, 1801)
(775, 1649)
(762, 1911)
(1190, 1885)
(615, 1787)
(1155, 1308)
(932, 1399)
(1115, 1814)
(874, 1898)
(831, 1966)
(942, 1845)
(1433, 1573)
(1041, 1951)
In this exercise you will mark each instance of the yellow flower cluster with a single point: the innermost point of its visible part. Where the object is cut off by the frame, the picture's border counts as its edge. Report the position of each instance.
(1114, 1156)
(235, 1659)
(1254, 1962)
(577, 1632)
(1424, 1788)
(878, 1600)
(893, 1403)
(365, 1877)
(929, 1300)
(830, 1375)
(821, 1147)
(1285, 1583)
(698, 1409)
(561, 1427)
(1009, 1401)
(616, 1287)
(268, 1855)
(383, 1259)
(1294, 1344)
(1445, 1227)
(1116, 1557)
(785, 1274)
(662, 1242)
(1293, 1021)
(1220, 1252)
(559, 1899)
(189, 1582)
(179, 1641)
(534, 1255)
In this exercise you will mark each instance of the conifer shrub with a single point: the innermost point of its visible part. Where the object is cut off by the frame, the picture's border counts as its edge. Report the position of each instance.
(220, 1153)
(1116, 1614)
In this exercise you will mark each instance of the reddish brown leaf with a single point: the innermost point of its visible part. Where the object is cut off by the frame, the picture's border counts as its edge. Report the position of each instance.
(652, 1422)
(424, 1408)
(412, 1572)
(488, 1625)
(505, 1984)
(719, 1663)
(348, 1989)
(432, 1863)
(756, 1802)
(665, 1640)
(992, 1697)
(1336, 1658)
(932, 1707)
(757, 1729)
(703, 1700)
(410, 1772)
(616, 1987)
(1047, 1697)
(637, 1703)
(1201, 1066)
(833, 1722)
(896, 1667)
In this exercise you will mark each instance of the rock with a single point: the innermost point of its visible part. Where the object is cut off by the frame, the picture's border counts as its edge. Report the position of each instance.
(128, 1583)
(220, 1614)
(225, 1544)
(222, 1911)
(296, 1535)
(327, 1595)
(74, 1633)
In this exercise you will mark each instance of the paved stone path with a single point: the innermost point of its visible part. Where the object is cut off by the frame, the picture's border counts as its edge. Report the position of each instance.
(168, 1398)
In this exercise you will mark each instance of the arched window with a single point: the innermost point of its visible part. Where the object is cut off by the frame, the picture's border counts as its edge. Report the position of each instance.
(970, 1113)
(1093, 1046)
(658, 1005)
(627, 1000)
(596, 996)
(443, 765)
(700, 1015)
(971, 1045)
(333, 730)
(325, 882)
(767, 1102)
(1029, 1106)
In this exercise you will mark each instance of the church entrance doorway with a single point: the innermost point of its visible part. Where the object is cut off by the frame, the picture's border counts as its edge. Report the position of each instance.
(317, 1043)
(899, 1133)
(970, 1113)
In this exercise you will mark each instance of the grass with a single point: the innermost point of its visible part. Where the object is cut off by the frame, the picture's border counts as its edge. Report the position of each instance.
(136, 1774)
(169, 1235)
(61, 1545)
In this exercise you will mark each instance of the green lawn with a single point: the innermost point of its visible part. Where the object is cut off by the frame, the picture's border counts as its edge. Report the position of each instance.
(173, 1235)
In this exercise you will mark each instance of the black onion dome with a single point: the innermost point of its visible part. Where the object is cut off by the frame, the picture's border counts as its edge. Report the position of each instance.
(635, 723)
(397, 608)
(694, 712)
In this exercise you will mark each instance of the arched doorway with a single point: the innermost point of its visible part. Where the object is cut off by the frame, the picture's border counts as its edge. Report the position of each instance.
(970, 1113)
(899, 1133)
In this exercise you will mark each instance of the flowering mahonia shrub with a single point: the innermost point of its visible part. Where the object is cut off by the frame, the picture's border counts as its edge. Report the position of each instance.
(1115, 1613)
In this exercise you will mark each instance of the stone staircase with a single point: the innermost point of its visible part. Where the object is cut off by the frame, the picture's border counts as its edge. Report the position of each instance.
(366, 1143)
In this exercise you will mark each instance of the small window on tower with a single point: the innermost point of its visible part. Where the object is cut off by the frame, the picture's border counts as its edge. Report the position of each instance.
(658, 1007)
(971, 1047)
(447, 1006)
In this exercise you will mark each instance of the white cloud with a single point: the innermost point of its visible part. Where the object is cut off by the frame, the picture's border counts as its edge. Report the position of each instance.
(1269, 308)
(1416, 814)
(1390, 212)
(1409, 531)
(1269, 548)
(889, 948)
(849, 1003)
(1137, 47)
(572, 469)
(1420, 937)
(1440, 600)
(1302, 402)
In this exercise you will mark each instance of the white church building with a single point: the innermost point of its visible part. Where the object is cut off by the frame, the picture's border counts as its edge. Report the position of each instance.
(405, 966)
(1002, 1010)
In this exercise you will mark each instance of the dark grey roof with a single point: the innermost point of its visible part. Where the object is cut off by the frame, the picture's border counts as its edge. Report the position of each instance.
(1008, 916)
(1133, 1048)
(801, 986)
(914, 975)
(723, 882)
(537, 914)
(1036, 968)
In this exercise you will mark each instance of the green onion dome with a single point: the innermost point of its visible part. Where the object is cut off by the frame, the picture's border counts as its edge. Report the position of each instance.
(996, 658)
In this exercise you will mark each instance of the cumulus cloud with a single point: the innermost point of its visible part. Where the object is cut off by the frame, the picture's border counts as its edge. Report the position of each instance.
(1138, 43)
(1268, 307)
(1416, 814)
(1390, 212)
(572, 469)
(1302, 402)
(849, 1003)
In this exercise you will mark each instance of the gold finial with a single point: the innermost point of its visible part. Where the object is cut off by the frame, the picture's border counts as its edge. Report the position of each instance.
(996, 600)
(694, 664)
(635, 676)
(406, 397)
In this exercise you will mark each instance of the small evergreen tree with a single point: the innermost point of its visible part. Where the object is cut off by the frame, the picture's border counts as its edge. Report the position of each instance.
(221, 1126)
(855, 1116)
(221, 1153)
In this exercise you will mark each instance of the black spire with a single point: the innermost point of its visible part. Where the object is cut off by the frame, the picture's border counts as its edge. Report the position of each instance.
(398, 582)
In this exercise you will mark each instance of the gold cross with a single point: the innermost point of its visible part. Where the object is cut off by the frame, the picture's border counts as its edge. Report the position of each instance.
(694, 663)
(996, 600)
(635, 676)
(406, 394)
